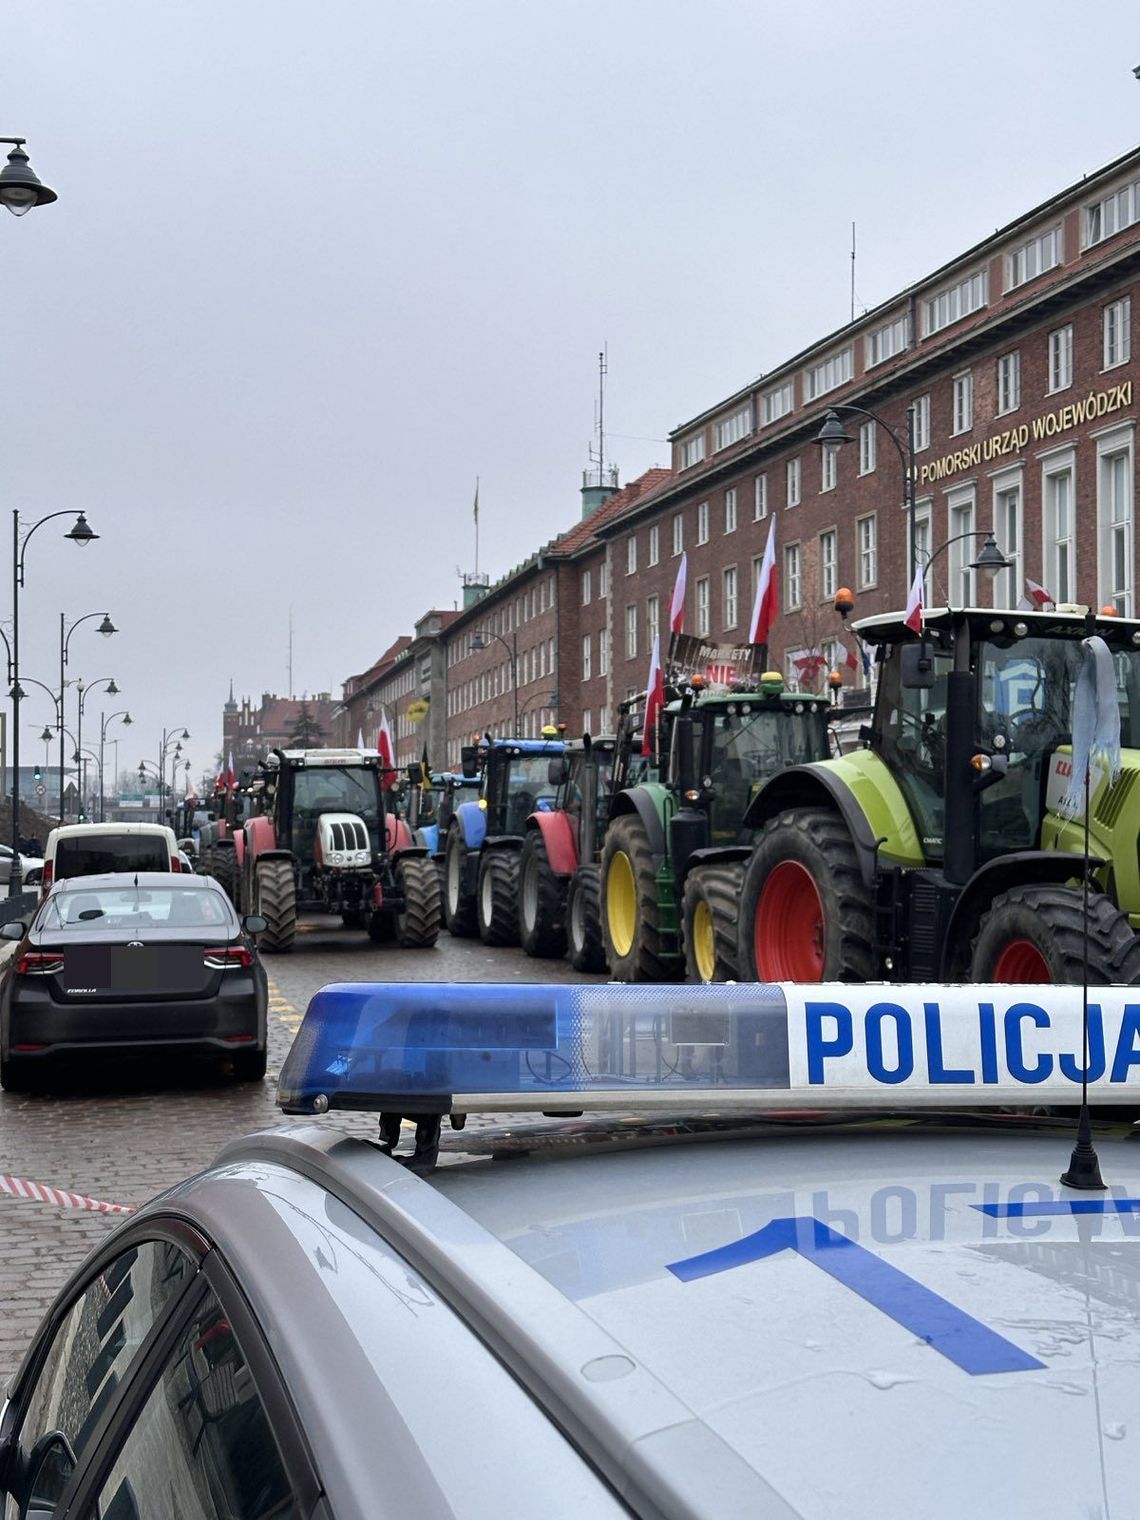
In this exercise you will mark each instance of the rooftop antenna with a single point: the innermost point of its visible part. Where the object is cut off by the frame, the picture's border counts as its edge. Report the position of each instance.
(852, 271)
(597, 454)
(476, 526)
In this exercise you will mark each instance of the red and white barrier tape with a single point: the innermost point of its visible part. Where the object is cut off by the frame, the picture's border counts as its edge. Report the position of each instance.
(42, 1192)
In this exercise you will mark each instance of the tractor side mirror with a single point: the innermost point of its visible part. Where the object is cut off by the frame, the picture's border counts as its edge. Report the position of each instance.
(469, 761)
(416, 773)
(557, 770)
(917, 668)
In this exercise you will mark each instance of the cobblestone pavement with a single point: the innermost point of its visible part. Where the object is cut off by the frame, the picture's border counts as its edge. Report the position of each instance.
(122, 1139)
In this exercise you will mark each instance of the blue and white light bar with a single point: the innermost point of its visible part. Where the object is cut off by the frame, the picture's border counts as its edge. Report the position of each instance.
(471, 1047)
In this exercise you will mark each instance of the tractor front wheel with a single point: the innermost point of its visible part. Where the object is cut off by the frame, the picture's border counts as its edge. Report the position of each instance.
(221, 864)
(805, 915)
(275, 896)
(542, 923)
(631, 923)
(710, 907)
(497, 905)
(584, 920)
(417, 925)
(1036, 934)
(458, 903)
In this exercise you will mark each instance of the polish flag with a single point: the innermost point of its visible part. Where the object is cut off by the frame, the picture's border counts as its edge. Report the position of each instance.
(231, 774)
(654, 701)
(764, 607)
(914, 614)
(1038, 596)
(386, 752)
(852, 661)
(677, 605)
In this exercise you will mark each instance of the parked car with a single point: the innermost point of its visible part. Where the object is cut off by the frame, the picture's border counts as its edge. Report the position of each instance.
(153, 963)
(31, 866)
(90, 849)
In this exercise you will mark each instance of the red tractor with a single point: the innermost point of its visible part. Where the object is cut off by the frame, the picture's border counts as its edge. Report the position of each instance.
(323, 839)
(559, 875)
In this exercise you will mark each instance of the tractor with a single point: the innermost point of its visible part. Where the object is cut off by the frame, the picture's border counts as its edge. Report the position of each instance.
(676, 845)
(485, 836)
(323, 838)
(221, 841)
(938, 851)
(559, 877)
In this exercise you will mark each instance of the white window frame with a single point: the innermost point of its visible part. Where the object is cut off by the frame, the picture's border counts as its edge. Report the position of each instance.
(962, 518)
(654, 544)
(631, 554)
(923, 541)
(793, 580)
(1008, 489)
(828, 469)
(652, 619)
(759, 498)
(586, 588)
(703, 606)
(962, 402)
(730, 510)
(678, 534)
(693, 450)
(1117, 322)
(1059, 550)
(955, 302)
(1116, 535)
(1009, 382)
(777, 402)
(702, 522)
(631, 631)
(1037, 255)
(587, 652)
(828, 564)
(867, 551)
(792, 477)
(603, 581)
(829, 374)
(1060, 376)
(868, 447)
(886, 341)
(729, 596)
(732, 429)
(603, 651)
(1111, 214)
(921, 423)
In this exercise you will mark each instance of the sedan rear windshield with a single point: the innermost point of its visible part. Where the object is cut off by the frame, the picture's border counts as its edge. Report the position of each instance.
(138, 908)
(124, 852)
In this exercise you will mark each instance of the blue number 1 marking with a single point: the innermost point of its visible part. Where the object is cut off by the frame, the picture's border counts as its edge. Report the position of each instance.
(942, 1325)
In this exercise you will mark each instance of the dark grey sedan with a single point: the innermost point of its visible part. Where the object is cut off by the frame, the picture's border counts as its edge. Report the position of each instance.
(151, 963)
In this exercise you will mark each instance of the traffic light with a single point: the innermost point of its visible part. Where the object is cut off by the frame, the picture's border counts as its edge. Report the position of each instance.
(39, 773)
(82, 816)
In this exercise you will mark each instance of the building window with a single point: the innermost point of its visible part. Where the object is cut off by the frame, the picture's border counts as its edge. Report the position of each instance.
(776, 404)
(885, 342)
(703, 522)
(759, 498)
(1059, 559)
(730, 510)
(867, 538)
(631, 555)
(828, 468)
(1115, 211)
(692, 451)
(732, 429)
(1117, 333)
(678, 535)
(968, 296)
(1114, 517)
(654, 544)
(730, 597)
(603, 581)
(585, 588)
(652, 620)
(630, 632)
(791, 577)
(587, 649)
(835, 371)
(922, 544)
(1061, 359)
(922, 423)
(1008, 383)
(603, 651)
(793, 476)
(828, 564)
(703, 606)
(963, 393)
(961, 552)
(1009, 585)
(868, 446)
(1033, 258)
(587, 721)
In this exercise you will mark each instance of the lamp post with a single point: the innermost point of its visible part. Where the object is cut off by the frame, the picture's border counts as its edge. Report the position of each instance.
(831, 436)
(479, 641)
(544, 699)
(104, 720)
(170, 741)
(106, 628)
(79, 534)
(84, 692)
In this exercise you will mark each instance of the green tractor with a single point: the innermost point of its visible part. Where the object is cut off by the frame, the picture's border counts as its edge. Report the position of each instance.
(676, 845)
(938, 850)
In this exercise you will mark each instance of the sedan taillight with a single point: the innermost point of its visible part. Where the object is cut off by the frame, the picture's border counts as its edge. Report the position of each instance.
(228, 958)
(38, 963)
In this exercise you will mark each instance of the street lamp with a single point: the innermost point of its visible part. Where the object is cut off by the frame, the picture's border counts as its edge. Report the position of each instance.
(170, 741)
(479, 641)
(20, 186)
(832, 437)
(106, 628)
(80, 534)
(104, 721)
(990, 559)
(84, 693)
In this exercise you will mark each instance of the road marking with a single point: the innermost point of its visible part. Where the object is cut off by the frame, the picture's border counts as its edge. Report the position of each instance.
(285, 1012)
(43, 1192)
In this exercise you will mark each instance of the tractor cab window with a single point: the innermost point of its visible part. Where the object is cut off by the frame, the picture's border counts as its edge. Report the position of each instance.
(333, 789)
(747, 746)
(525, 783)
(910, 734)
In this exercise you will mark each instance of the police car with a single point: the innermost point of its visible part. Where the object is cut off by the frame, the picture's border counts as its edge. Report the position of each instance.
(807, 1253)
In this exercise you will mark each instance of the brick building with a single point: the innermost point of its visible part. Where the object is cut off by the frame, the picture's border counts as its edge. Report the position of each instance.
(408, 683)
(249, 732)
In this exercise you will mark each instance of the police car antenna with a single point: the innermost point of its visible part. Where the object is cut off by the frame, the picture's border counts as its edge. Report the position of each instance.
(1084, 1165)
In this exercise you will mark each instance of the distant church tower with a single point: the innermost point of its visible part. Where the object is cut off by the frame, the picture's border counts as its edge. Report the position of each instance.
(229, 722)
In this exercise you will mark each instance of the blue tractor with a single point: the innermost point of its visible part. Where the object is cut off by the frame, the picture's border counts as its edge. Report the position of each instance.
(517, 777)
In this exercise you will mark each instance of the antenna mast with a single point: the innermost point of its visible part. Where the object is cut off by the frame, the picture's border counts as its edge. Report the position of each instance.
(603, 371)
(852, 271)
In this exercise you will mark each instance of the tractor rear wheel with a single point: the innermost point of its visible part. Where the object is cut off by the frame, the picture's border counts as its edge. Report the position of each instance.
(458, 903)
(417, 926)
(1036, 934)
(805, 915)
(497, 898)
(631, 924)
(542, 920)
(584, 920)
(710, 909)
(275, 898)
(221, 864)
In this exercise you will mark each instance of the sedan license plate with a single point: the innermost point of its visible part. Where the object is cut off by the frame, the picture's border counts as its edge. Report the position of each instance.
(123, 968)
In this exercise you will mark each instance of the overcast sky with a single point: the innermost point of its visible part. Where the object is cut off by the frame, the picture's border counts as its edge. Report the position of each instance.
(314, 268)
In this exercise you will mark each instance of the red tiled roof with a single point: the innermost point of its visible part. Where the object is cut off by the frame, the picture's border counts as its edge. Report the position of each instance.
(581, 533)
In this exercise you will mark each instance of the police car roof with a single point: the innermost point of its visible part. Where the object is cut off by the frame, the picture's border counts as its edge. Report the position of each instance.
(858, 1320)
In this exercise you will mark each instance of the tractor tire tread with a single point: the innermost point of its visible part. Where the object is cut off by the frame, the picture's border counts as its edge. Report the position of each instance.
(719, 887)
(276, 898)
(1114, 949)
(502, 927)
(546, 936)
(461, 922)
(588, 953)
(417, 927)
(644, 961)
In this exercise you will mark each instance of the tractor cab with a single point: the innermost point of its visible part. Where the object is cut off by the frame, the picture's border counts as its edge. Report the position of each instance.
(585, 786)
(516, 782)
(325, 804)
